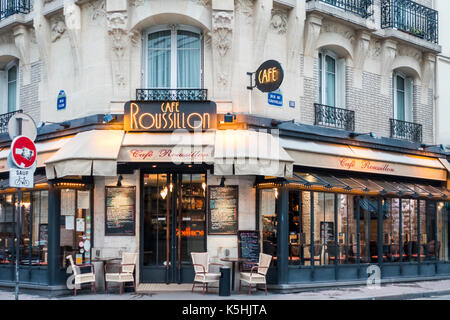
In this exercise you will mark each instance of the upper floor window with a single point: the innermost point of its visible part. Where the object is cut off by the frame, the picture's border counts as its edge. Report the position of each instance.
(12, 88)
(403, 97)
(331, 79)
(174, 57)
(9, 74)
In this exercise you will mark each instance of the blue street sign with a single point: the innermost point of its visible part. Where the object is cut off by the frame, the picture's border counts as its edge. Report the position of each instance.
(61, 104)
(275, 98)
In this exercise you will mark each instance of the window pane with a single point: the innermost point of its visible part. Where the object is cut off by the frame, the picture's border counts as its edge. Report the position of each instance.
(330, 79)
(400, 105)
(409, 230)
(324, 244)
(430, 229)
(159, 56)
(442, 232)
(294, 227)
(268, 224)
(347, 230)
(12, 89)
(320, 78)
(305, 236)
(188, 56)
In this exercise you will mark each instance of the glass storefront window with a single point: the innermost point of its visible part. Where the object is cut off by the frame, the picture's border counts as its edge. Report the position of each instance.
(75, 226)
(347, 229)
(268, 222)
(295, 224)
(442, 223)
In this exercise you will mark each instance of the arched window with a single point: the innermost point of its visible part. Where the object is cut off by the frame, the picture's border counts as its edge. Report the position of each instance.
(173, 57)
(331, 79)
(403, 97)
(12, 88)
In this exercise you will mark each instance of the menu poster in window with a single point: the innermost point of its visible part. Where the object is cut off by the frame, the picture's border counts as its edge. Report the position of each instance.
(120, 211)
(43, 234)
(223, 210)
(67, 202)
(327, 231)
(248, 245)
(83, 199)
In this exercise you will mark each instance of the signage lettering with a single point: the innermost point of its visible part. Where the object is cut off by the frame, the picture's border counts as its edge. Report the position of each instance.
(269, 76)
(354, 164)
(169, 116)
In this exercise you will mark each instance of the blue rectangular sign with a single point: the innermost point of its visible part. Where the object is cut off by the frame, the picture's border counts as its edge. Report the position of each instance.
(275, 99)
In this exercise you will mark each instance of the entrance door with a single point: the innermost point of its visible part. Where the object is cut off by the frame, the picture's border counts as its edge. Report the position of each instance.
(174, 225)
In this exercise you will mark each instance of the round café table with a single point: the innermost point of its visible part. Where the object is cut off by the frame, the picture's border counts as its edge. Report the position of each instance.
(100, 271)
(233, 261)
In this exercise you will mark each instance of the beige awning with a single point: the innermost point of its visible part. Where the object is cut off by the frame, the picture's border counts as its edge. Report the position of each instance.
(247, 152)
(352, 158)
(89, 153)
(45, 150)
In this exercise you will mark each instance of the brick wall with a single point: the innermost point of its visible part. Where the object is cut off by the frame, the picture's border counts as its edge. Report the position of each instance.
(29, 94)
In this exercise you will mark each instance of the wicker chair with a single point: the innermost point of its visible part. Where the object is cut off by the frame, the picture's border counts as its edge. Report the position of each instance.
(125, 272)
(200, 261)
(257, 274)
(82, 278)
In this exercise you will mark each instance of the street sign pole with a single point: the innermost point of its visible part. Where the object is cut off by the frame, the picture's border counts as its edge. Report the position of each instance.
(19, 213)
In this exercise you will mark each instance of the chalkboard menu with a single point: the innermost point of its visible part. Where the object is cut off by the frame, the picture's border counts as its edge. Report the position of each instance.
(327, 231)
(223, 210)
(248, 245)
(120, 211)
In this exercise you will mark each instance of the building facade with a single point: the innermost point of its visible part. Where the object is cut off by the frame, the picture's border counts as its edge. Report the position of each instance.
(335, 171)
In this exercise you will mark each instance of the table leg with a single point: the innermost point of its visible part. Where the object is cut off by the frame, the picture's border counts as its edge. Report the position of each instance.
(232, 276)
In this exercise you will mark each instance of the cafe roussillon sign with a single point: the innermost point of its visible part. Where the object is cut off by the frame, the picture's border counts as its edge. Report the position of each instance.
(169, 115)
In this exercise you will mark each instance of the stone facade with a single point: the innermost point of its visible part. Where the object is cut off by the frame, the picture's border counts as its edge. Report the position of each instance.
(93, 51)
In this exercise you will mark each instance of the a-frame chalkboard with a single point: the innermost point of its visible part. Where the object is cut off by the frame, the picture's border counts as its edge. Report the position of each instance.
(248, 248)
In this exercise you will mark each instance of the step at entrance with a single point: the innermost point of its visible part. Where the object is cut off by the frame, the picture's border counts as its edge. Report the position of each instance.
(163, 287)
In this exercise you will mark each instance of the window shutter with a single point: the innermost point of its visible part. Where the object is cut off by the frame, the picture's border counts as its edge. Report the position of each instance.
(409, 88)
(340, 84)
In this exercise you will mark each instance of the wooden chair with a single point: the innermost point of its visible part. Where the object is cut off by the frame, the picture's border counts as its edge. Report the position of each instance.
(200, 261)
(257, 274)
(82, 278)
(125, 273)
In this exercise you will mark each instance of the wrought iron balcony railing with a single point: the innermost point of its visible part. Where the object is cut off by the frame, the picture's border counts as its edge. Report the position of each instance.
(410, 17)
(4, 119)
(171, 94)
(331, 117)
(11, 7)
(406, 130)
(362, 8)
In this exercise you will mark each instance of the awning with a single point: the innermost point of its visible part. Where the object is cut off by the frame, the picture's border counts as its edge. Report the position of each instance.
(344, 184)
(358, 159)
(45, 150)
(89, 153)
(247, 152)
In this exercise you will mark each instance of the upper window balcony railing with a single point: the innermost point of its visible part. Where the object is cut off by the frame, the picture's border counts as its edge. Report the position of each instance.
(171, 94)
(362, 8)
(406, 130)
(332, 117)
(11, 7)
(410, 17)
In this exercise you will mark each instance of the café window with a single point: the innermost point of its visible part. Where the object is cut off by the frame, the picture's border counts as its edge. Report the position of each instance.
(33, 228)
(268, 221)
(75, 226)
(173, 58)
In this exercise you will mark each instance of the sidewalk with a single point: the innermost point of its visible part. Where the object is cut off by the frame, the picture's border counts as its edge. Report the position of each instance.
(399, 291)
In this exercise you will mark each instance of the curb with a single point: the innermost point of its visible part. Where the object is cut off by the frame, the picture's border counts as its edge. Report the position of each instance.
(407, 296)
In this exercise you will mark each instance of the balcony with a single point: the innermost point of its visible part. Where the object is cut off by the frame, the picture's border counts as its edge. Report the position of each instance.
(406, 130)
(410, 17)
(171, 94)
(331, 117)
(12, 7)
(4, 119)
(362, 8)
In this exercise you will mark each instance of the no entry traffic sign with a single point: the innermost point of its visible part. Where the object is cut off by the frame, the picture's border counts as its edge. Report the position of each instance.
(23, 152)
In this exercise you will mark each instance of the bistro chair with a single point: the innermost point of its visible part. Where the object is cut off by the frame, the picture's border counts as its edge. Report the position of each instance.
(430, 250)
(257, 274)
(82, 278)
(125, 273)
(203, 276)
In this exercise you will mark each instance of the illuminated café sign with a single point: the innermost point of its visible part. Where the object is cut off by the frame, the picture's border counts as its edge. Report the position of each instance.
(169, 115)
(269, 76)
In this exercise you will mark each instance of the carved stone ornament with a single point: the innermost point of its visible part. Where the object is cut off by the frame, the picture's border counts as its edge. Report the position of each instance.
(58, 28)
(136, 3)
(201, 2)
(279, 21)
(222, 31)
(244, 7)
(98, 10)
(135, 37)
(117, 29)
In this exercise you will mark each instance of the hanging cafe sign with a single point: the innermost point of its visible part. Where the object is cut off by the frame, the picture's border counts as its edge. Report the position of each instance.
(269, 76)
(169, 115)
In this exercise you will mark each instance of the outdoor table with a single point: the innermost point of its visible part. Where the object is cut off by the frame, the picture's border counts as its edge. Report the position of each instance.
(233, 261)
(100, 271)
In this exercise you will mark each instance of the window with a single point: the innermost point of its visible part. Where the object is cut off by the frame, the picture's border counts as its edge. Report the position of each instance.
(12, 88)
(331, 80)
(173, 58)
(403, 89)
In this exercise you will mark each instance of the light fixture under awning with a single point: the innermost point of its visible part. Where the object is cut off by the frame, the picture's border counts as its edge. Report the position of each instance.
(89, 153)
(247, 152)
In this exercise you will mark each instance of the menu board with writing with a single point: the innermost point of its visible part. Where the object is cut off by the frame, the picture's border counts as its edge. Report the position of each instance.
(248, 245)
(223, 210)
(120, 211)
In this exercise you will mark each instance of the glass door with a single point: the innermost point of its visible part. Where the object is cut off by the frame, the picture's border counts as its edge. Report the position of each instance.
(174, 224)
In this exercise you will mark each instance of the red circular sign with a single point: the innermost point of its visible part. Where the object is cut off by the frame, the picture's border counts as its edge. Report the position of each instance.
(23, 152)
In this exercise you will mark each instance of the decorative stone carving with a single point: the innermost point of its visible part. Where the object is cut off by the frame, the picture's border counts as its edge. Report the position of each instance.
(58, 27)
(313, 28)
(410, 52)
(245, 8)
(135, 37)
(279, 21)
(117, 29)
(201, 2)
(98, 10)
(375, 49)
(7, 38)
(136, 3)
(222, 31)
(362, 45)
